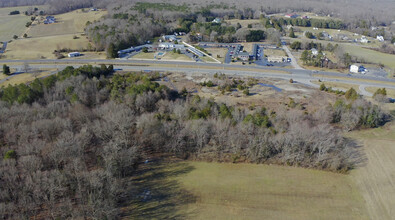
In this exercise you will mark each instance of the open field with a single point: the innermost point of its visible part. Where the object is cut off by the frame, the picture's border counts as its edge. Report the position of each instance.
(371, 55)
(244, 23)
(26, 77)
(376, 180)
(43, 46)
(218, 51)
(69, 23)
(200, 190)
(175, 56)
(274, 52)
(142, 55)
(11, 25)
(207, 59)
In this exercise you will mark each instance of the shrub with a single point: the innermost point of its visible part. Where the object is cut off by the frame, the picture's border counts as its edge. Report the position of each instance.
(11, 154)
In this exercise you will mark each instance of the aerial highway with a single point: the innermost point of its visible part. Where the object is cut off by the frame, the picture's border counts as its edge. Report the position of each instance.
(299, 75)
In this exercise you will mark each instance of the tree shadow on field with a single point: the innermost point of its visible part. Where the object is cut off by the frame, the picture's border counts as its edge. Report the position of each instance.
(356, 155)
(156, 193)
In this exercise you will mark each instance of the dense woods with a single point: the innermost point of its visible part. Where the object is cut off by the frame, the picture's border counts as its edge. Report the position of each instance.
(70, 142)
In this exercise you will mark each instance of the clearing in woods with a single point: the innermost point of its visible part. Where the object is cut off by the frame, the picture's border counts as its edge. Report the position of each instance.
(200, 190)
(376, 180)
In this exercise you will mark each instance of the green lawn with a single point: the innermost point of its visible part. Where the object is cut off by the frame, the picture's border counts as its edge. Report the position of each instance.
(199, 190)
(371, 55)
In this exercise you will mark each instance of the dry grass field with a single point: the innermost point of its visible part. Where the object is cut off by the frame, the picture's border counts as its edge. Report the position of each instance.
(218, 51)
(26, 77)
(43, 47)
(68, 23)
(274, 52)
(199, 190)
(376, 180)
(11, 25)
(175, 56)
(244, 23)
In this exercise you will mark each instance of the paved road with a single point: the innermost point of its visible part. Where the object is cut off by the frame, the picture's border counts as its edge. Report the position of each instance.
(293, 60)
(299, 75)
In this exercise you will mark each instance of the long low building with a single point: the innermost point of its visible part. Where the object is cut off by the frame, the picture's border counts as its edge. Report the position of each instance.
(195, 51)
(276, 59)
(134, 49)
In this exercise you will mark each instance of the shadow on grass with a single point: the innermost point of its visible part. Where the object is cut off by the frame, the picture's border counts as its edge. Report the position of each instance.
(156, 194)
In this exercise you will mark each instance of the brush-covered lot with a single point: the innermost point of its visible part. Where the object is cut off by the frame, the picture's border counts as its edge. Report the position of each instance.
(201, 190)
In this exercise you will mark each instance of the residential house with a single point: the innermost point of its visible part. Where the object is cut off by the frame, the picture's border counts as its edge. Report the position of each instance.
(291, 16)
(380, 38)
(314, 51)
(364, 39)
(169, 38)
(217, 20)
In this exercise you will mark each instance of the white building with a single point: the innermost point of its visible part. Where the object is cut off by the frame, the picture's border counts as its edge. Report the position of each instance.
(364, 39)
(74, 54)
(380, 38)
(314, 51)
(357, 69)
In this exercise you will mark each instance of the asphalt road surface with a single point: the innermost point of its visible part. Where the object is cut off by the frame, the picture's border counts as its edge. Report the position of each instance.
(298, 75)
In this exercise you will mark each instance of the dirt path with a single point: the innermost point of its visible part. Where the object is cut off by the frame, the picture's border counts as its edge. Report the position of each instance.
(376, 179)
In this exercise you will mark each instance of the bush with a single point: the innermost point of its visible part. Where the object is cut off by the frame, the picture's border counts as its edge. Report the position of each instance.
(11, 154)
(351, 94)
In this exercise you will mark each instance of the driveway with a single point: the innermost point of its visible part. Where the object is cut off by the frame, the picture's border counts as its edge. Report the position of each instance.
(293, 60)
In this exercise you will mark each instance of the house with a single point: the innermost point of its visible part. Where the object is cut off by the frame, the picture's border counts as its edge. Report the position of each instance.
(245, 56)
(276, 59)
(380, 38)
(169, 38)
(217, 20)
(291, 15)
(166, 46)
(314, 51)
(49, 20)
(364, 39)
(74, 54)
(357, 69)
(305, 17)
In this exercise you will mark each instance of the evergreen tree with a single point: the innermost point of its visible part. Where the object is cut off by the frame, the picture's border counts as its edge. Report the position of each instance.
(112, 51)
(292, 33)
(6, 70)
